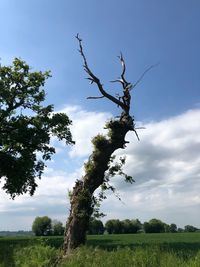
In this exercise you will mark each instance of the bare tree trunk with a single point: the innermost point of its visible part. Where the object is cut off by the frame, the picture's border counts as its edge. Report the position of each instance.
(81, 199)
(98, 163)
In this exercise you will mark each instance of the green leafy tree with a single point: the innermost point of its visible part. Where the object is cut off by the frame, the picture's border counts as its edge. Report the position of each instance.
(114, 226)
(173, 228)
(154, 226)
(123, 227)
(167, 228)
(117, 227)
(57, 228)
(146, 227)
(42, 226)
(109, 226)
(26, 126)
(95, 227)
(136, 226)
(190, 228)
(126, 226)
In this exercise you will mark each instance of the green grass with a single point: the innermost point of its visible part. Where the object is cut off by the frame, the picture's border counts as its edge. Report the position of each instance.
(130, 249)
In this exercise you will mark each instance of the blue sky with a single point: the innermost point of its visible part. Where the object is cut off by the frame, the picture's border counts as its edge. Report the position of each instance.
(147, 32)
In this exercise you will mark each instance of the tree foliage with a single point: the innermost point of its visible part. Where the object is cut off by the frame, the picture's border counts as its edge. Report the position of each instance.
(173, 228)
(126, 226)
(190, 228)
(45, 226)
(26, 126)
(113, 226)
(131, 226)
(57, 228)
(42, 226)
(95, 227)
(154, 226)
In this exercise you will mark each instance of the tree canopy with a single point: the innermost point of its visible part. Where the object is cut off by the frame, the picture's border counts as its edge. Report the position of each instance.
(95, 227)
(115, 226)
(42, 226)
(190, 228)
(26, 127)
(57, 228)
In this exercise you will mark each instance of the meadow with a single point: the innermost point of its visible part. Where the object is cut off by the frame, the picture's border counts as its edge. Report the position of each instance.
(145, 250)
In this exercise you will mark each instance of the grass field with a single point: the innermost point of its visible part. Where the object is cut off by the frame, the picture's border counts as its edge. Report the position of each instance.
(140, 249)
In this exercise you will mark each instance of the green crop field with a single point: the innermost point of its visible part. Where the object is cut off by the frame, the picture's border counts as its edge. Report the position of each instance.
(180, 249)
(179, 240)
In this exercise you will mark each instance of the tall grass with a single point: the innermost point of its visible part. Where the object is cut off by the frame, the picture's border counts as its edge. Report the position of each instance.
(45, 256)
(35, 256)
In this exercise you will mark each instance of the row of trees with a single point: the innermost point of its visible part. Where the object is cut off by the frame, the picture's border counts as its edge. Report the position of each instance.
(45, 226)
(152, 226)
(123, 227)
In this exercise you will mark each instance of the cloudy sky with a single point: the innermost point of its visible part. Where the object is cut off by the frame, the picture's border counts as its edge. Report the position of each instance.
(166, 162)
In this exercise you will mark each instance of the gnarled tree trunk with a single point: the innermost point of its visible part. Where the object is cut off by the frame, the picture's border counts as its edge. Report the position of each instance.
(95, 168)
(82, 196)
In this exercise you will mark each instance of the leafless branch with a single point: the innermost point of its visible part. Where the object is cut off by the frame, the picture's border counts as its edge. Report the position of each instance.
(140, 128)
(94, 79)
(136, 134)
(126, 85)
(95, 97)
(116, 81)
(143, 74)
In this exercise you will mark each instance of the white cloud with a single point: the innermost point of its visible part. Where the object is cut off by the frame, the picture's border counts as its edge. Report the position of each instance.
(165, 165)
(50, 198)
(86, 125)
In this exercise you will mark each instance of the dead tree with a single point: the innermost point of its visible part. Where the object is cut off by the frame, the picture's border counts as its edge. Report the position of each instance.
(82, 196)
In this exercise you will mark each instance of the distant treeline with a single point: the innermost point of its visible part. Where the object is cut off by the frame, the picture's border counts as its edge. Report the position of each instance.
(45, 226)
(16, 233)
(128, 226)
